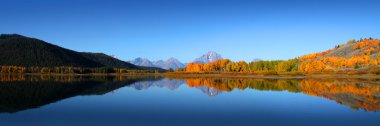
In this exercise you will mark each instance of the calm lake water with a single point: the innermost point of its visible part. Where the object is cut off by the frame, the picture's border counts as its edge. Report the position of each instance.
(140, 101)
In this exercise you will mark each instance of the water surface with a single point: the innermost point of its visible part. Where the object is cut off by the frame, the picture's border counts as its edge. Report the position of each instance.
(147, 100)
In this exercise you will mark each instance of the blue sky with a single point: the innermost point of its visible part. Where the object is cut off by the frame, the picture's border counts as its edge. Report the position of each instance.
(186, 29)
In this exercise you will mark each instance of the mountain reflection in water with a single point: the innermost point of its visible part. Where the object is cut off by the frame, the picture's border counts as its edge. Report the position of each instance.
(19, 93)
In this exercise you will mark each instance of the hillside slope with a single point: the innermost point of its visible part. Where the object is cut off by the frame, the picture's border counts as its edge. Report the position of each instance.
(353, 48)
(353, 54)
(23, 51)
(17, 50)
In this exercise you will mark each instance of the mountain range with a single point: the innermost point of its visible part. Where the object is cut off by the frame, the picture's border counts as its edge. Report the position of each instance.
(175, 63)
(18, 50)
(170, 63)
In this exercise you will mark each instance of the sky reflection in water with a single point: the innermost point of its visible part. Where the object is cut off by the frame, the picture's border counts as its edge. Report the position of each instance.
(187, 101)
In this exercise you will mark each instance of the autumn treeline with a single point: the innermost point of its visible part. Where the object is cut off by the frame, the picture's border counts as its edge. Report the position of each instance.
(71, 78)
(70, 70)
(226, 65)
(360, 55)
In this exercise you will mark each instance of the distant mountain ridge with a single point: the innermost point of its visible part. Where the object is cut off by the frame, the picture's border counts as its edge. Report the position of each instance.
(174, 63)
(141, 62)
(170, 63)
(18, 50)
(210, 56)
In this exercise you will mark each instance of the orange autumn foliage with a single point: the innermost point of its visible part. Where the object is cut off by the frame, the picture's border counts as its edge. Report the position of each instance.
(319, 62)
(368, 46)
(219, 65)
(193, 67)
(366, 43)
(312, 66)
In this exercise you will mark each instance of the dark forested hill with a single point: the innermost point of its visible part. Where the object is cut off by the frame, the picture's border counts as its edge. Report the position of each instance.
(17, 50)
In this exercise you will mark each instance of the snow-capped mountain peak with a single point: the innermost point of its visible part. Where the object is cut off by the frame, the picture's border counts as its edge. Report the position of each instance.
(210, 56)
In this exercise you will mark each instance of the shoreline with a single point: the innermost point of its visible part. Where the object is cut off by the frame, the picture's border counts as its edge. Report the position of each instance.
(98, 74)
(211, 75)
(224, 75)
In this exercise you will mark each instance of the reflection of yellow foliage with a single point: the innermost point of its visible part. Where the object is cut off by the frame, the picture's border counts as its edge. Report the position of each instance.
(356, 90)
(8, 77)
(365, 91)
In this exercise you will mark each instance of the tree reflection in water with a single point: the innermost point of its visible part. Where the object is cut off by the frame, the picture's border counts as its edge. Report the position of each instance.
(355, 93)
(20, 92)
